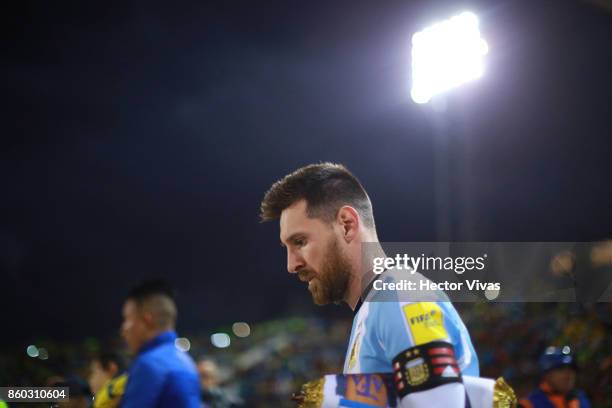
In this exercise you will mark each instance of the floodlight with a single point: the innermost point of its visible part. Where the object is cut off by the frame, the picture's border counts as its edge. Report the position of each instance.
(445, 55)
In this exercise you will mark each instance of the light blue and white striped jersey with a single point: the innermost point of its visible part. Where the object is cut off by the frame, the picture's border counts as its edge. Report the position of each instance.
(384, 328)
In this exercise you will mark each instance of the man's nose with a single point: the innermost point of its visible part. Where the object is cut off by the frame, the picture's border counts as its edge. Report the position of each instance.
(294, 262)
(122, 331)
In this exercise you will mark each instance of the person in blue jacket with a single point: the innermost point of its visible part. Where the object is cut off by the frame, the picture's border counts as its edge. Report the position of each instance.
(558, 386)
(161, 375)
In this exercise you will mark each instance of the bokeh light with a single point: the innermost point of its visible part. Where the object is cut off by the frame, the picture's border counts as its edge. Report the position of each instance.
(241, 329)
(220, 340)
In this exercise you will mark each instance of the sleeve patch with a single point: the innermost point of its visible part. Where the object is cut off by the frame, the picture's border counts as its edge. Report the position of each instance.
(426, 322)
(424, 367)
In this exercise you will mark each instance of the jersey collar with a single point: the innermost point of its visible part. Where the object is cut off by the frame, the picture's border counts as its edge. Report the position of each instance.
(366, 292)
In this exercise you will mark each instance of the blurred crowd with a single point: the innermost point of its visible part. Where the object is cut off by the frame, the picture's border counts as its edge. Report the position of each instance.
(263, 369)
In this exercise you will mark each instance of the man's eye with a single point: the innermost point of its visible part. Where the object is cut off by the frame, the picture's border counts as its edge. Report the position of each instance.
(300, 242)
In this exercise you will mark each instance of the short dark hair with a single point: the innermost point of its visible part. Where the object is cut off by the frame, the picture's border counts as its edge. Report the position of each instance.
(106, 358)
(157, 296)
(326, 187)
(149, 288)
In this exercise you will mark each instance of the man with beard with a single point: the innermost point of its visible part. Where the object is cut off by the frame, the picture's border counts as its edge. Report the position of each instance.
(325, 217)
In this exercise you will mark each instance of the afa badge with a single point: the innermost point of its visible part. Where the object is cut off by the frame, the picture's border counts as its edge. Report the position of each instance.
(423, 367)
(416, 369)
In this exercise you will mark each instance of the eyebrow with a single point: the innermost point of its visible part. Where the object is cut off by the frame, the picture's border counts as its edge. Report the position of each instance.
(291, 238)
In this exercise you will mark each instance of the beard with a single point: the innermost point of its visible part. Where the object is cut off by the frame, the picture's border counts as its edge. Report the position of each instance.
(331, 284)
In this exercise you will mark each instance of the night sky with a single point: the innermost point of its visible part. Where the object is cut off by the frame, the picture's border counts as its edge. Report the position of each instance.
(138, 140)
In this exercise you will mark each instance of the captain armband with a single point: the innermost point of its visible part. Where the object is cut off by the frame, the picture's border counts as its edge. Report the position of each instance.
(424, 367)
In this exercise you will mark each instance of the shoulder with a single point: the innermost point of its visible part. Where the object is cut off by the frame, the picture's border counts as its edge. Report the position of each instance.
(158, 361)
(161, 365)
(416, 322)
(536, 398)
(410, 313)
(117, 384)
(582, 397)
(147, 363)
(171, 359)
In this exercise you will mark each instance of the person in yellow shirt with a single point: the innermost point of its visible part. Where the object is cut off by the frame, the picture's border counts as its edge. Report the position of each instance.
(107, 380)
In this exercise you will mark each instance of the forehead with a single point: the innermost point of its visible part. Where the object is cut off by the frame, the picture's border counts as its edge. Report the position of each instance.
(206, 366)
(294, 219)
(129, 306)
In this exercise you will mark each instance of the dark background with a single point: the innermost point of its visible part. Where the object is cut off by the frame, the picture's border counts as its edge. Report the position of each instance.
(138, 140)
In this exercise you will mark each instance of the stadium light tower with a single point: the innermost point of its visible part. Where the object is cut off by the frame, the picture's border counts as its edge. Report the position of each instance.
(446, 55)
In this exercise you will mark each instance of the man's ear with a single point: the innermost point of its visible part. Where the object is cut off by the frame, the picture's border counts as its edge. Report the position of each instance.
(148, 319)
(349, 221)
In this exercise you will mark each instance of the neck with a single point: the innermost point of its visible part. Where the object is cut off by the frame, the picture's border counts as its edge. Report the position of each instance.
(153, 334)
(353, 293)
(362, 274)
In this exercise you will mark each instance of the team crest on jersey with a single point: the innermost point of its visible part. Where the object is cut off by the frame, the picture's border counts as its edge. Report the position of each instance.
(416, 369)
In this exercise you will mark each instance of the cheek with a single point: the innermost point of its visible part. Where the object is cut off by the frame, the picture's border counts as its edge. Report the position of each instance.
(323, 253)
(312, 257)
(95, 377)
(128, 326)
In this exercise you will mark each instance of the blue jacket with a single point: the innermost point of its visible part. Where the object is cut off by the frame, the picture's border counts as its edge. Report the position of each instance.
(162, 376)
(543, 397)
